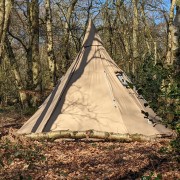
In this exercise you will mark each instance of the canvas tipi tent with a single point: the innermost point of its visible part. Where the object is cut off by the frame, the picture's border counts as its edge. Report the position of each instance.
(94, 95)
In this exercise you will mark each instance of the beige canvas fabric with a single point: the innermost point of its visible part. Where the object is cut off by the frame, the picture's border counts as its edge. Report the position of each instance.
(90, 96)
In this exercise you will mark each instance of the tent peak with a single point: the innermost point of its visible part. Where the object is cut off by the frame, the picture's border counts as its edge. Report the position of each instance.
(91, 37)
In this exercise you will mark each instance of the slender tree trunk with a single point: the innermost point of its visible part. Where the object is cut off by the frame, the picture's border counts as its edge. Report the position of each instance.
(35, 45)
(67, 27)
(32, 52)
(29, 78)
(155, 53)
(88, 16)
(6, 49)
(110, 34)
(123, 34)
(5, 10)
(176, 39)
(108, 25)
(134, 38)
(173, 51)
(50, 51)
(148, 35)
(171, 29)
(2, 16)
(9, 54)
(146, 28)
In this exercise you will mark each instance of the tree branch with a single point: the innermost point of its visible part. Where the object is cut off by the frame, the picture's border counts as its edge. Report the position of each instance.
(18, 39)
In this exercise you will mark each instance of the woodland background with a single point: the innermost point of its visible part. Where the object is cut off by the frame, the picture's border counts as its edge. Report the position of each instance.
(39, 39)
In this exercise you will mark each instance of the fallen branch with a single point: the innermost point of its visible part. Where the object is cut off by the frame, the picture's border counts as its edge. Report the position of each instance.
(93, 134)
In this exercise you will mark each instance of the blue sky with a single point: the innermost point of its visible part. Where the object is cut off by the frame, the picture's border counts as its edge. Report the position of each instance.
(167, 4)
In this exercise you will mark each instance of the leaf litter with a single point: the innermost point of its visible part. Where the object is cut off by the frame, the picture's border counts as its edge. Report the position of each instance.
(21, 158)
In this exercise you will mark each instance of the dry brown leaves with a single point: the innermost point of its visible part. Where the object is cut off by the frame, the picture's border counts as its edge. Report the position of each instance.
(84, 160)
(21, 158)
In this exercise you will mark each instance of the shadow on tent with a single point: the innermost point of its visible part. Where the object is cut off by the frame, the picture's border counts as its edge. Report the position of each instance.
(73, 77)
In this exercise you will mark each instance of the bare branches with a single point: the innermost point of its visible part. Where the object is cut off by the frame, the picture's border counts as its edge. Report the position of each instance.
(19, 40)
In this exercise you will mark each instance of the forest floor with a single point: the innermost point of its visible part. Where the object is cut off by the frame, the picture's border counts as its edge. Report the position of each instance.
(21, 158)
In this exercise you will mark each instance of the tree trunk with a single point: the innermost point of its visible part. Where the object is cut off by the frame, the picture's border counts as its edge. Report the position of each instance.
(6, 49)
(155, 53)
(108, 25)
(110, 34)
(148, 35)
(93, 134)
(9, 54)
(171, 31)
(134, 37)
(32, 52)
(50, 51)
(35, 45)
(68, 27)
(2, 16)
(29, 78)
(176, 39)
(123, 34)
(5, 11)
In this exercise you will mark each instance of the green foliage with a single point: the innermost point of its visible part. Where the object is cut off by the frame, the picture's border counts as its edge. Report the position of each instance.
(160, 87)
(149, 80)
(29, 111)
(152, 176)
(175, 144)
(28, 152)
(164, 150)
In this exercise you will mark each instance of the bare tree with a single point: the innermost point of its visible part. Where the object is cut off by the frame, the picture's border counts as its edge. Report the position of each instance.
(149, 40)
(108, 23)
(9, 55)
(31, 48)
(173, 55)
(68, 28)
(50, 50)
(67, 31)
(34, 38)
(176, 44)
(5, 10)
(134, 37)
(34, 74)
